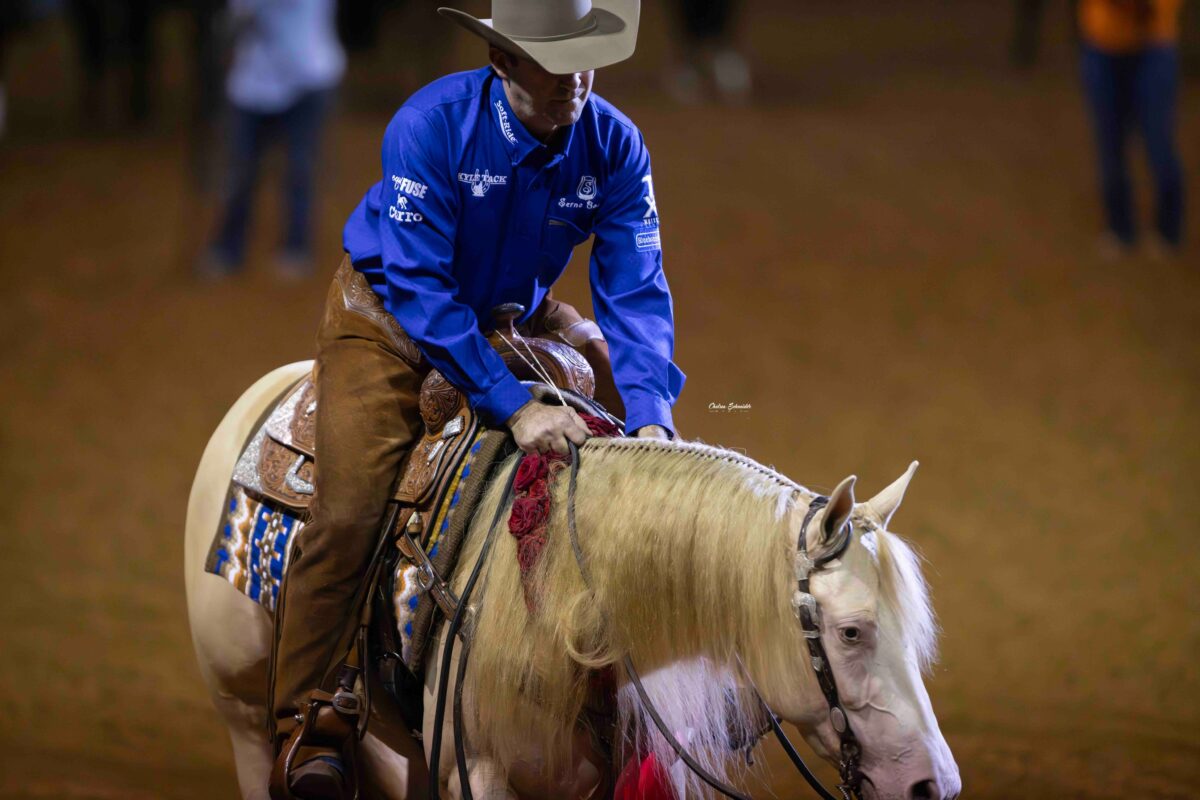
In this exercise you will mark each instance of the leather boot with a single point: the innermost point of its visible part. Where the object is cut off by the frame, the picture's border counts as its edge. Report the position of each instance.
(316, 761)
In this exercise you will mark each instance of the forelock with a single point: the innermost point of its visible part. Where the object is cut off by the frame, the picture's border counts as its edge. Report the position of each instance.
(902, 589)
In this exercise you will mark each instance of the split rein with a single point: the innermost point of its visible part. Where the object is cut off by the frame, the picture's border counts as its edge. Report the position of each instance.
(807, 611)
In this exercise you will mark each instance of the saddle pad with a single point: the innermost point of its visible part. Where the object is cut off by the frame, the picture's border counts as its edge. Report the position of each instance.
(251, 547)
(415, 610)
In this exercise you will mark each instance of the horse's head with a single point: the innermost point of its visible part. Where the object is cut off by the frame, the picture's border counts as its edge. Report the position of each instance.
(879, 635)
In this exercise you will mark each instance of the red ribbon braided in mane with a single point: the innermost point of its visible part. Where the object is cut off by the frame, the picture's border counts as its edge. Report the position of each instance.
(531, 500)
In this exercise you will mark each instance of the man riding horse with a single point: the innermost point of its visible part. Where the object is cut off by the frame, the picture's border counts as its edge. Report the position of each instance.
(490, 179)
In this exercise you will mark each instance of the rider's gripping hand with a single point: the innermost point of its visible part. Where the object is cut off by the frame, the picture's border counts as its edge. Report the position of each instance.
(539, 428)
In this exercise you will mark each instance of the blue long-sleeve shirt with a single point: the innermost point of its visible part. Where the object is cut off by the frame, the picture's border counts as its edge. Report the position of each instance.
(474, 211)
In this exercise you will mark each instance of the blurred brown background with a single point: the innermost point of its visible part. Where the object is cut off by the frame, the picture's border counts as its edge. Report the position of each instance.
(888, 252)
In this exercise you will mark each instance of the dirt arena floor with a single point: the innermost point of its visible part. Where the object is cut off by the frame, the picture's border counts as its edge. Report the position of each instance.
(889, 257)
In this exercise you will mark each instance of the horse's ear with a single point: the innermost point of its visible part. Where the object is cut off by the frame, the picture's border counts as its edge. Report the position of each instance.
(837, 512)
(886, 502)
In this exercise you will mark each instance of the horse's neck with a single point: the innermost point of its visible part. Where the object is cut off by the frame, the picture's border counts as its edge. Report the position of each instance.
(690, 565)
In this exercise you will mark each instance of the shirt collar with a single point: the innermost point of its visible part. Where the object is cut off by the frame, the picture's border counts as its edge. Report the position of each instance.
(517, 139)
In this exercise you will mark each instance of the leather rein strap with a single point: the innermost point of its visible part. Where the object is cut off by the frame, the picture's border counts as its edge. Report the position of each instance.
(457, 609)
(453, 632)
(810, 623)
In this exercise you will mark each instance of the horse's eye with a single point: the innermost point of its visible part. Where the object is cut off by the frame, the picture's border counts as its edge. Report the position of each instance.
(851, 634)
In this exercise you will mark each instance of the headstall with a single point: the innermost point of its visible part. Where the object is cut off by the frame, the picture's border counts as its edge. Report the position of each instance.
(809, 613)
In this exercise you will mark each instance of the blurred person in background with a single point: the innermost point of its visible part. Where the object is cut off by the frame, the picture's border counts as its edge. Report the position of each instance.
(10, 17)
(287, 60)
(708, 53)
(1027, 32)
(115, 40)
(1130, 64)
(208, 57)
(15, 15)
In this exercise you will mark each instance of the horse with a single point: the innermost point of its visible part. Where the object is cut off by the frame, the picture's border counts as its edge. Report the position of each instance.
(692, 554)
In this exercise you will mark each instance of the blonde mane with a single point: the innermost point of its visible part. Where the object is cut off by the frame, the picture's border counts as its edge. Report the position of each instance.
(691, 561)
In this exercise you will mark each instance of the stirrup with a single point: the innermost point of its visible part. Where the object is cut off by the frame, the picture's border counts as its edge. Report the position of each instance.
(327, 722)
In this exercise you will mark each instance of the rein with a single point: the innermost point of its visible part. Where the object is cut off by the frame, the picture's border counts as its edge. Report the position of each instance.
(809, 614)
(461, 612)
(454, 631)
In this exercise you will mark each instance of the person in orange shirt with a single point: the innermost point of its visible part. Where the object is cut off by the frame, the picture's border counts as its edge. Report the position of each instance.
(1130, 65)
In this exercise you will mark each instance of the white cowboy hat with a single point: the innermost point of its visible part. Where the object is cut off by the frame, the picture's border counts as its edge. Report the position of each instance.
(563, 36)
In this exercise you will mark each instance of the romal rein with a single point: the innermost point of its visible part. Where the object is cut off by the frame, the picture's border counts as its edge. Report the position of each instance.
(806, 611)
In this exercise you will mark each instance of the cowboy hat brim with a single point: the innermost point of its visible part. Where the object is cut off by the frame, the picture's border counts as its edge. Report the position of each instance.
(612, 39)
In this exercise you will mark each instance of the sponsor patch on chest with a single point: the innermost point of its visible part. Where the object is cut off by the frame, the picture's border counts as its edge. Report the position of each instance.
(585, 195)
(481, 182)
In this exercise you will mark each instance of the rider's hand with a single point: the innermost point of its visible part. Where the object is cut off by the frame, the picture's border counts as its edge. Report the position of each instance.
(652, 432)
(539, 428)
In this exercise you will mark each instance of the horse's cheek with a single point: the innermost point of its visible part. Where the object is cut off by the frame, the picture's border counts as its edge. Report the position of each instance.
(855, 682)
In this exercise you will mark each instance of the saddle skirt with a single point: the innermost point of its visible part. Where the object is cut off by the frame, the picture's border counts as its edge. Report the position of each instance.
(279, 463)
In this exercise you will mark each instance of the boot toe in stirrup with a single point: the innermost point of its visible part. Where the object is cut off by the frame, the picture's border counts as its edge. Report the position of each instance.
(321, 777)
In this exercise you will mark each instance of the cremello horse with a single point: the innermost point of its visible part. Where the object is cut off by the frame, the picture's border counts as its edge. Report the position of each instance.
(692, 553)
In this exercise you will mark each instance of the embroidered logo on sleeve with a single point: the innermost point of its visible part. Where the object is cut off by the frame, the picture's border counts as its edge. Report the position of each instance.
(651, 215)
(648, 240)
(481, 182)
(648, 237)
(400, 212)
(409, 187)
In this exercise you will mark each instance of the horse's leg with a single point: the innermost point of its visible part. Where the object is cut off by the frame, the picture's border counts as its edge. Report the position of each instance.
(233, 644)
(252, 752)
(488, 780)
(231, 634)
(390, 773)
(392, 761)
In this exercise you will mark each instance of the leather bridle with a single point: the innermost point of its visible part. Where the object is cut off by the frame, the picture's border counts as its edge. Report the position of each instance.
(807, 611)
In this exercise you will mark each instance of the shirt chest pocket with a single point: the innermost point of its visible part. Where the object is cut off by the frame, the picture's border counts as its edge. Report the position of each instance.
(559, 237)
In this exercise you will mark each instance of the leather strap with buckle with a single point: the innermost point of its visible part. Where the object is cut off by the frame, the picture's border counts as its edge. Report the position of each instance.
(427, 574)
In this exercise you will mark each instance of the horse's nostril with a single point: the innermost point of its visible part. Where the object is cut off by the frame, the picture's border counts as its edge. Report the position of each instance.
(924, 790)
